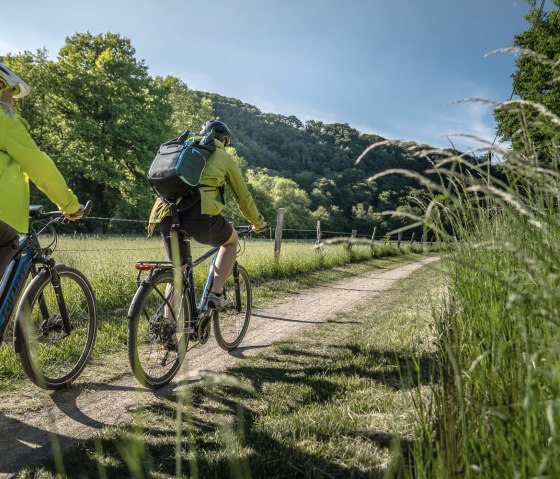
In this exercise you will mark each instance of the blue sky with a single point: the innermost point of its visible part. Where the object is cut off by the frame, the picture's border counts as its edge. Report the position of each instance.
(390, 67)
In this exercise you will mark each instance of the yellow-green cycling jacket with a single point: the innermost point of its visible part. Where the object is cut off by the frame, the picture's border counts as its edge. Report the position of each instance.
(220, 169)
(20, 160)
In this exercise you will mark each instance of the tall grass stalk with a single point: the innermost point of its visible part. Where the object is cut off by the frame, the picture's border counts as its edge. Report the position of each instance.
(495, 411)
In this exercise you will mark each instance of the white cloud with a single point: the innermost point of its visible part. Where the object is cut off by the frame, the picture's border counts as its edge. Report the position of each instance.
(469, 125)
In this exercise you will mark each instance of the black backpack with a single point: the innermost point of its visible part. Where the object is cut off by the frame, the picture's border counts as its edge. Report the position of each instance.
(177, 168)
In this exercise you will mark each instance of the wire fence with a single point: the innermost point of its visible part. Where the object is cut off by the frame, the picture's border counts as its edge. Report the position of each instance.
(307, 236)
(271, 227)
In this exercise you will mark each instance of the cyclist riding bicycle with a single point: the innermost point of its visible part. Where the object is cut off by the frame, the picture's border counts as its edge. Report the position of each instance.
(21, 160)
(199, 214)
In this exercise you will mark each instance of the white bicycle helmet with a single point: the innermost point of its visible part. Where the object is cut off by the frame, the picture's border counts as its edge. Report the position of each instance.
(8, 79)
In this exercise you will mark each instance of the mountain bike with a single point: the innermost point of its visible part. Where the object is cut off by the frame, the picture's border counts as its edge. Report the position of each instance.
(164, 317)
(56, 321)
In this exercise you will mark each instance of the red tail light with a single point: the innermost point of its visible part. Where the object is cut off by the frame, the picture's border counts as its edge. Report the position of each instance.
(144, 267)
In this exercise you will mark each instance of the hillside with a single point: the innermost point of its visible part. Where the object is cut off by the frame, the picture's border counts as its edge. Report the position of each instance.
(320, 158)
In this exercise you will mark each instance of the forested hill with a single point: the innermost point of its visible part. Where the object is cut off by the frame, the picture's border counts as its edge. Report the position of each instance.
(101, 116)
(320, 158)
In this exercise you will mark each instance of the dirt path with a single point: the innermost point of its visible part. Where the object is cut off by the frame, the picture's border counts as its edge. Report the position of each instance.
(77, 413)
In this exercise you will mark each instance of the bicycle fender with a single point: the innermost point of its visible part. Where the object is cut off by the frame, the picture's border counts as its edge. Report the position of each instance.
(143, 285)
(17, 337)
(134, 302)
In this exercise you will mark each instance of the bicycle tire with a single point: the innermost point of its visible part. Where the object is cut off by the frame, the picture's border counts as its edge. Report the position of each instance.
(51, 358)
(231, 324)
(148, 343)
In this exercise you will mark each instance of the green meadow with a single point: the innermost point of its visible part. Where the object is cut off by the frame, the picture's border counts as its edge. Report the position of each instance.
(108, 263)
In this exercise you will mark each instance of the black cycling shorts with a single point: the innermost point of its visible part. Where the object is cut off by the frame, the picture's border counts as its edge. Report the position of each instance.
(205, 229)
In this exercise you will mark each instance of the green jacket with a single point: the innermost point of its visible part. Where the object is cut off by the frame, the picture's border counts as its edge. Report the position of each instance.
(220, 169)
(20, 160)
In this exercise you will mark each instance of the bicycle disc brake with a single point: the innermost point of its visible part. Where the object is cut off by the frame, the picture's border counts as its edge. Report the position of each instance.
(53, 324)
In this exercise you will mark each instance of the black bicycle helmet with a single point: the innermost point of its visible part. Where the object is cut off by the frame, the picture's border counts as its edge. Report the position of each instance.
(220, 130)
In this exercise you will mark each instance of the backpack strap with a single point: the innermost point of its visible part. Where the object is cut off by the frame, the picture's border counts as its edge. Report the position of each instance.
(176, 225)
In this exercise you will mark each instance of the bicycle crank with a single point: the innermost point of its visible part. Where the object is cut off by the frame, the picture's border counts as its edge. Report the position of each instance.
(203, 331)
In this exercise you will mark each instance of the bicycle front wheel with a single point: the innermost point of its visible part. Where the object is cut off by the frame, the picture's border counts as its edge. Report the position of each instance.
(157, 331)
(231, 323)
(51, 356)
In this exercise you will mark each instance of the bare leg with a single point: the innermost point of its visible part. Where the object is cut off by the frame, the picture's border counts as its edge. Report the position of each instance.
(224, 263)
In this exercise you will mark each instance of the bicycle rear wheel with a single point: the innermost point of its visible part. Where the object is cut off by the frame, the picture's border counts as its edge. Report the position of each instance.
(231, 324)
(51, 357)
(157, 332)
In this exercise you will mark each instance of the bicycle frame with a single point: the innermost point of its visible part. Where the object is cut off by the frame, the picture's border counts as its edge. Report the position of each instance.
(209, 279)
(13, 281)
(188, 278)
(29, 254)
(200, 309)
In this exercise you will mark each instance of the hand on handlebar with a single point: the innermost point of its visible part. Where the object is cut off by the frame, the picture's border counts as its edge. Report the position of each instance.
(259, 228)
(75, 216)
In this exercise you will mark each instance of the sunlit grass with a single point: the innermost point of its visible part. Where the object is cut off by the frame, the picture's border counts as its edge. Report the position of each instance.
(108, 263)
(495, 410)
(334, 401)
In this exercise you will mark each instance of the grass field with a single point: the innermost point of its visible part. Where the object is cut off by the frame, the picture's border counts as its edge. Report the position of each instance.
(108, 263)
(337, 401)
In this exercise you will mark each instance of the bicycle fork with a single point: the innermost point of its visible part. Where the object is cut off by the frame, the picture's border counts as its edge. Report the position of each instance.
(237, 288)
(57, 286)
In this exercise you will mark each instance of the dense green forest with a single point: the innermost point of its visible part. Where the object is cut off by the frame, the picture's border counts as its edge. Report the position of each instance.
(99, 114)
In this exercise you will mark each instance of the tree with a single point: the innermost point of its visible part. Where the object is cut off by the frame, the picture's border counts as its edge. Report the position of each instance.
(187, 111)
(536, 81)
(279, 192)
(115, 117)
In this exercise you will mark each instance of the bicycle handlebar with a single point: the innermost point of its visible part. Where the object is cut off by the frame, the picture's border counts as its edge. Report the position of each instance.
(246, 230)
(48, 214)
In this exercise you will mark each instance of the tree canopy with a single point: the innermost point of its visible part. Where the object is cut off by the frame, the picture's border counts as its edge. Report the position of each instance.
(537, 84)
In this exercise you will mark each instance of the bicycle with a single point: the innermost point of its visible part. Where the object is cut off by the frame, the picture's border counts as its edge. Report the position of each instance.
(162, 321)
(56, 320)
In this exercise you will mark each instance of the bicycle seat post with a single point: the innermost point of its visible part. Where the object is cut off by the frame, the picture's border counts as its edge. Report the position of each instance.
(188, 275)
(188, 252)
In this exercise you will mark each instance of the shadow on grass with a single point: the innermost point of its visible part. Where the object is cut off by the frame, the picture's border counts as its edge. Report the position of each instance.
(266, 457)
(262, 454)
(393, 370)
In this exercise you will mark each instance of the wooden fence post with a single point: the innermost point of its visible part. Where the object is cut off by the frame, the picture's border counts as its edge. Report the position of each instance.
(413, 239)
(352, 238)
(431, 241)
(318, 232)
(372, 251)
(278, 235)
(399, 238)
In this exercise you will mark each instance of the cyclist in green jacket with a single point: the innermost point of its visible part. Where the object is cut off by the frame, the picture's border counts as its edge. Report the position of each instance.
(200, 216)
(21, 160)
